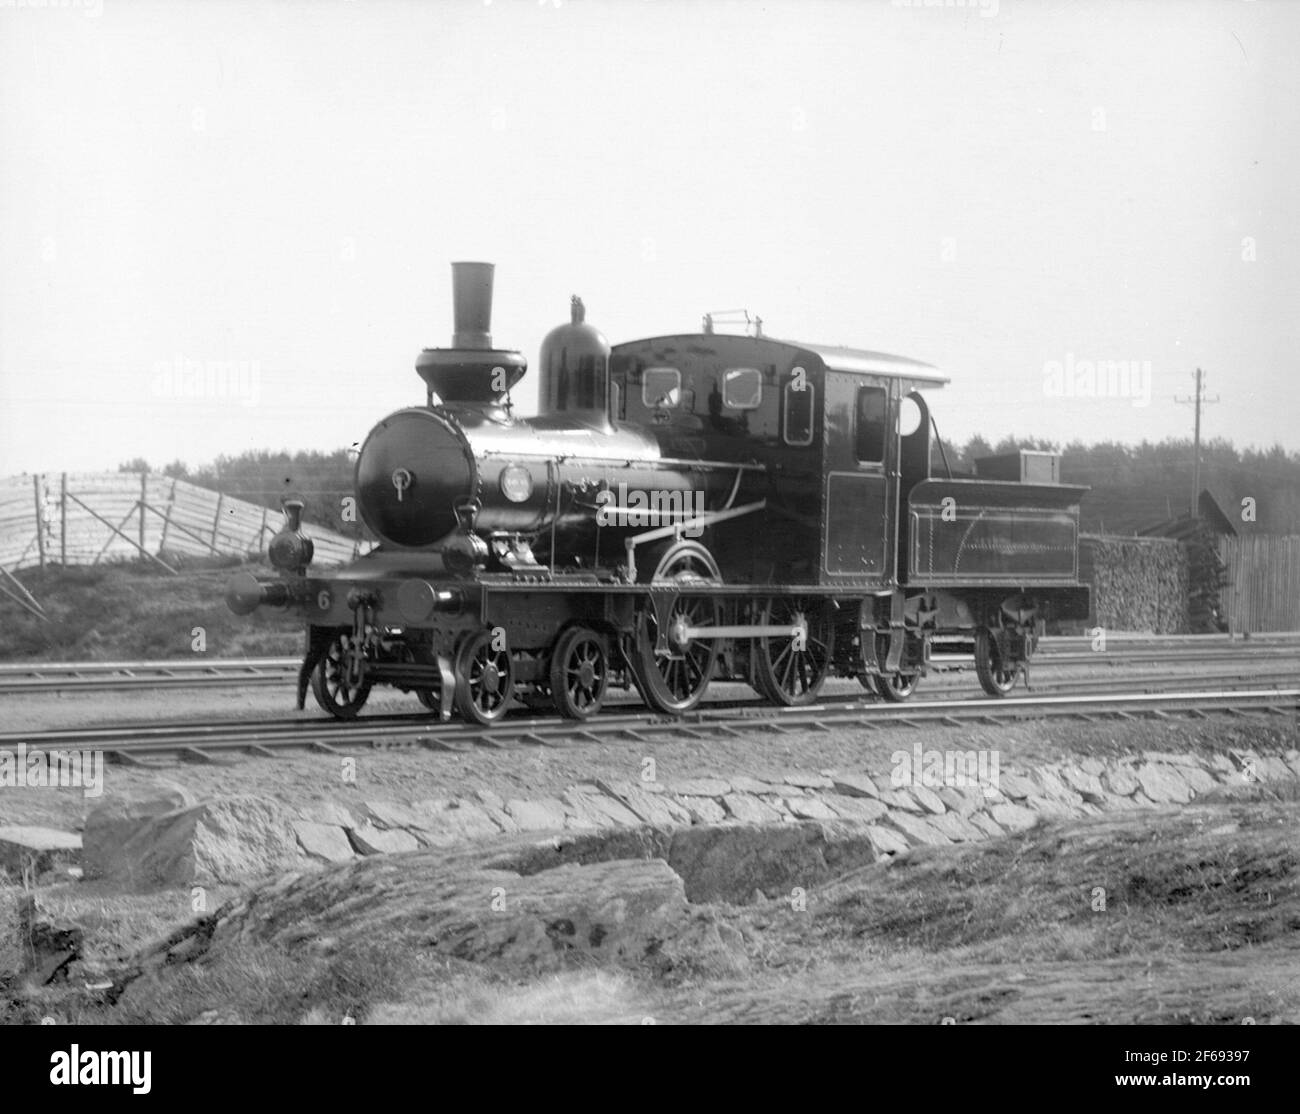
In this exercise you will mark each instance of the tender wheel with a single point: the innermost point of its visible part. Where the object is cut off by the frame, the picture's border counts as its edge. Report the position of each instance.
(579, 673)
(485, 679)
(676, 682)
(994, 678)
(783, 673)
(894, 687)
(334, 681)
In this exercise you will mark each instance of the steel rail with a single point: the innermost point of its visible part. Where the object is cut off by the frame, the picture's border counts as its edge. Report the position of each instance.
(206, 742)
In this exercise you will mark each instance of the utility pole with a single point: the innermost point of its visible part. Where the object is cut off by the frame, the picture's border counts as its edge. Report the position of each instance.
(1198, 401)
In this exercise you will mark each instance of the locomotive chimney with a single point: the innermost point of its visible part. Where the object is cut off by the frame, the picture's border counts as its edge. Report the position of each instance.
(471, 371)
(471, 293)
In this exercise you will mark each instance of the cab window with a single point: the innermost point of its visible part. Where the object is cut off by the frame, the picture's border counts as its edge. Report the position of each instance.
(797, 421)
(869, 424)
(742, 388)
(661, 388)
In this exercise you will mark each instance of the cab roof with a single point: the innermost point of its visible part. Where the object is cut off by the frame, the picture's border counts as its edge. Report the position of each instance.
(854, 361)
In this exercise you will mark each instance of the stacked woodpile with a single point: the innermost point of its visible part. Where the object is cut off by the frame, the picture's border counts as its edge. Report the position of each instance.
(1138, 584)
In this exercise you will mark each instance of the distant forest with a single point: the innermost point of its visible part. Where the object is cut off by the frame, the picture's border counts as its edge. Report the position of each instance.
(1133, 486)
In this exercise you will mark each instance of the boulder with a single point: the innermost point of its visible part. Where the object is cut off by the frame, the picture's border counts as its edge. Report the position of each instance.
(703, 810)
(886, 841)
(856, 785)
(750, 810)
(114, 821)
(865, 810)
(810, 808)
(326, 842)
(588, 801)
(1014, 818)
(928, 799)
(1119, 780)
(701, 787)
(805, 780)
(652, 808)
(917, 830)
(543, 815)
(369, 840)
(228, 839)
(1162, 784)
(26, 850)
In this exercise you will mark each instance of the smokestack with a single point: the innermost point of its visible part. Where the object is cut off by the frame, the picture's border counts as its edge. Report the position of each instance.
(471, 371)
(471, 285)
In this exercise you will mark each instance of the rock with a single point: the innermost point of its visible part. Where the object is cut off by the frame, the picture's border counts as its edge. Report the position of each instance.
(986, 824)
(703, 810)
(1087, 785)
(901, 798)
(113, 822)
(591, 801)
(1198, 778)
(1014, 785)
(862, 809)
(750, 785)
(652, 808)
(961, 801)
(810, 808)
(449, 821)
(808, 781)
(917, 829)
(887, 841)
(750, 810)
(1162, 784)
(1050, 807)
(1273, 768)
(855, 785)
(227, 839)
(328, 812)
(1055, 788)
(1142, 800)
(1092, 766)
(1293, 760)
(1223, 763)
(26, 850)
(956, 827)
(327, 842)
(700, 787)
(928, 799)
(545, 814)
(1120, 781)
(389, 814)
(1015, 818)
(369, 840)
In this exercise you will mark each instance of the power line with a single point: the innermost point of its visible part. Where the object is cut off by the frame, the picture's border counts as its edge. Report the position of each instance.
(1199, 400)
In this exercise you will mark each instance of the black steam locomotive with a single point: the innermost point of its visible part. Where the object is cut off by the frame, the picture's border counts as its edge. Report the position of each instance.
(684, 509)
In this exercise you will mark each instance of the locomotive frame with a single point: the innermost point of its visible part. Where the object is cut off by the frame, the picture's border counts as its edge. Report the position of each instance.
(686, 509)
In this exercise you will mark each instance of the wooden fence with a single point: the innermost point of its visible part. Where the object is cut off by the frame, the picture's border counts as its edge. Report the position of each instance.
(83, 518)
(1263, 592)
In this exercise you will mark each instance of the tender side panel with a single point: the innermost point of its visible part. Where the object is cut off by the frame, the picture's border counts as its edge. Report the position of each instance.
(973, 532)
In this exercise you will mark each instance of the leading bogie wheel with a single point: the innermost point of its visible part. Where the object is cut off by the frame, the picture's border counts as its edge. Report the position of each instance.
(893, 687)
(579, 672)
(995, 679)
(339, 683)
(485, 678)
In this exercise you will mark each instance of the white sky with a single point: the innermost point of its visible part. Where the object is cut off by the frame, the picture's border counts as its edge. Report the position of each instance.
(282, 185)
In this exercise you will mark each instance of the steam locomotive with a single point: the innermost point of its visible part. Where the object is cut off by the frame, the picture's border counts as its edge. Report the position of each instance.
(683, 510)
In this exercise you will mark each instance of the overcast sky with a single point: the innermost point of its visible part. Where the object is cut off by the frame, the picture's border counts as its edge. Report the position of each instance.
(265, 197)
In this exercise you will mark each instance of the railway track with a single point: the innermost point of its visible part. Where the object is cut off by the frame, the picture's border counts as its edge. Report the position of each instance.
(1060, 652)
(138, 743)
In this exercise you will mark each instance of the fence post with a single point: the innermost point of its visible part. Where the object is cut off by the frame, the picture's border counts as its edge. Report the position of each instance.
(40, 519)
(63, 520)
(144, 494)
(216, 519)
